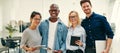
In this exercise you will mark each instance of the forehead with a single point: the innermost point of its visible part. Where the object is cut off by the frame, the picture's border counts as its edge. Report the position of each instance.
(72, 14)
(86, 4)
(36, 16)
(54, 7)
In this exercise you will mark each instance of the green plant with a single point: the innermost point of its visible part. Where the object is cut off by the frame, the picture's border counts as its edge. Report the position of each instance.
(10, 29)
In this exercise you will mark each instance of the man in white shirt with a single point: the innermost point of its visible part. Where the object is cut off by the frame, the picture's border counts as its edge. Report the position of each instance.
(53, 31)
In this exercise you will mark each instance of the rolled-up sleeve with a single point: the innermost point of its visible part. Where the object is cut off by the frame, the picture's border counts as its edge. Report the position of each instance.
(107, 28)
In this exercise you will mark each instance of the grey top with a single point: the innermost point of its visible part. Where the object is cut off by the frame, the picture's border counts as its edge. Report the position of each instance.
(31, 38)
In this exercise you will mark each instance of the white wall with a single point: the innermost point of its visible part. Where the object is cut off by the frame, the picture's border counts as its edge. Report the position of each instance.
(21, 9)
(0, 16)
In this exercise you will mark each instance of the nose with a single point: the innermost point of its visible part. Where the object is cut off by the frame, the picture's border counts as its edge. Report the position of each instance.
(86, 7)
(53, 11)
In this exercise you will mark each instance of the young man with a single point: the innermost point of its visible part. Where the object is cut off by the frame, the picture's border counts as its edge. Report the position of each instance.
(96, 27)
(53, 32)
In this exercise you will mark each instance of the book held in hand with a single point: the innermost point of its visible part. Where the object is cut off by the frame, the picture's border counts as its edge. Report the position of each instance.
(100, 45)
(40, 46)
(73, 39)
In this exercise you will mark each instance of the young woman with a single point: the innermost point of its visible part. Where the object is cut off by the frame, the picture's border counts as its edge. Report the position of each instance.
(75, 30)
(31, 36)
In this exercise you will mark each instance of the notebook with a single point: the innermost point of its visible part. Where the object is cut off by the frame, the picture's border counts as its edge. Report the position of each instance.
(73, 39)
(100, 45)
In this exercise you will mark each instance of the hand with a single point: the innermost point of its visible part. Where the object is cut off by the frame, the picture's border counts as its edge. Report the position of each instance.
(78, 42)
(31, 49)
(49, 48)
(105, 51)
(57, 51)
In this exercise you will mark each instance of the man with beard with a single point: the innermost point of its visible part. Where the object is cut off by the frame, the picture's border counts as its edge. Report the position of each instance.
(96, 27)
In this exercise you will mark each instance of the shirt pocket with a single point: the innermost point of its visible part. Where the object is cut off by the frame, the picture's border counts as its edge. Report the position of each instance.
(97, 24)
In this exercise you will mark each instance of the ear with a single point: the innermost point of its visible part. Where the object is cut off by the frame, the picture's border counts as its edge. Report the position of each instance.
(58, 11)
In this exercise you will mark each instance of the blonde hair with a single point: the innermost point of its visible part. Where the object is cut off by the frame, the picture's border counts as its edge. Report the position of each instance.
(78, 19)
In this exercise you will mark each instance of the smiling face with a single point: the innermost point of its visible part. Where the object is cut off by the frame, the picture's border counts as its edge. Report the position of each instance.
(36, 20)
(86, 7)
(54, 11)
(74, 18)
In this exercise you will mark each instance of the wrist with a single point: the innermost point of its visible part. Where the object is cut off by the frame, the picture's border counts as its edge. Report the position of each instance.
(27, 49)
(81, 44)
(107, 49)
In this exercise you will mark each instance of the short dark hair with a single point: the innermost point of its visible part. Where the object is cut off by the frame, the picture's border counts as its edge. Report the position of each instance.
(83, 1)
(35, 13)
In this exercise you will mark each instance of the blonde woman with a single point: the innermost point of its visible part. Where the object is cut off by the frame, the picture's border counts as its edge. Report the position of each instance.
(75, 30)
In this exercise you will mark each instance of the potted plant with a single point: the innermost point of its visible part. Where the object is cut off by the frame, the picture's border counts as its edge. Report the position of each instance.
(10, 29)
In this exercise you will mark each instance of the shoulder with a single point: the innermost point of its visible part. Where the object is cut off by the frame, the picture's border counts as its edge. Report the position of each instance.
(99, 16)
(62, 24)
(44, 21)
(80, 27)
(26, 32)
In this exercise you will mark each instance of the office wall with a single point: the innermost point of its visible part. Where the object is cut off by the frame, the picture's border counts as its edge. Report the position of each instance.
(0, 16)
(21, 9)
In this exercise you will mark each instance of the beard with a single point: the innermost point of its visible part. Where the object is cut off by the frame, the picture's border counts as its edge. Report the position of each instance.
(87, 11)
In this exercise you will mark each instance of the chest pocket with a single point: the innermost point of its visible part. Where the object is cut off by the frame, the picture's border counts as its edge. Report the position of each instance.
(97, 24)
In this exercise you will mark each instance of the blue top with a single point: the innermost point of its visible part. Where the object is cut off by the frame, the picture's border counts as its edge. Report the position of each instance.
(97, 28)
(60, 38)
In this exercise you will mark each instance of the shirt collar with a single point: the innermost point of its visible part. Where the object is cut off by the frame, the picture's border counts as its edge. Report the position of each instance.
(59, 20)
(91, 16)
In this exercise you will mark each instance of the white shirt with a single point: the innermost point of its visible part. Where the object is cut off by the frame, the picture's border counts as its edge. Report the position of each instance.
(51, 34)
(78, 31)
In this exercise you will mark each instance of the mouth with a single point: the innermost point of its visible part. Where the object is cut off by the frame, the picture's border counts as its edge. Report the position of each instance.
(53, 14)
(87, 10)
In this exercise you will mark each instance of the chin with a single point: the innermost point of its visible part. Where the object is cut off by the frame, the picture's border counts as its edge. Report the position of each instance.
(87, 12)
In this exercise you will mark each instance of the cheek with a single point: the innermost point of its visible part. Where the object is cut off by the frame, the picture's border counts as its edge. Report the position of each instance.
(70, 20)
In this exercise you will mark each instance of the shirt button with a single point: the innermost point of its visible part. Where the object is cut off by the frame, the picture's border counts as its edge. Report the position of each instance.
(89, 31)
(89, 25)
(89, 20)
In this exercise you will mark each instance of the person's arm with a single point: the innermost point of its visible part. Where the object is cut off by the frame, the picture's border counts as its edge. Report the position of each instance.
(81, 43)
(109, 34)
(29, 48)
(63, 47)
(108, 45)
(24, 39)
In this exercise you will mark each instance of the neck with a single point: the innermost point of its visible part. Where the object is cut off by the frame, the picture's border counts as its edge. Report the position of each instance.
(88, 15)
(74, 25)
(32, 27)
(53, 19)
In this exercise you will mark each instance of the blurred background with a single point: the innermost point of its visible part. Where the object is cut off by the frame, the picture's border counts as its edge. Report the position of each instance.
(17, 13)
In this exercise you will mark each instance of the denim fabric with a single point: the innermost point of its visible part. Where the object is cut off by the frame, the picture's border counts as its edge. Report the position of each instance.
(60, 38)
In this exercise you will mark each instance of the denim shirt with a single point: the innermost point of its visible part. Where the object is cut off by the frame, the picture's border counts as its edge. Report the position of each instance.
(97, 28)
(60, 38)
